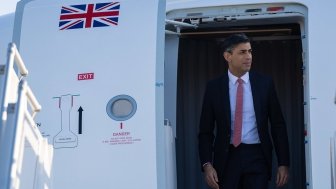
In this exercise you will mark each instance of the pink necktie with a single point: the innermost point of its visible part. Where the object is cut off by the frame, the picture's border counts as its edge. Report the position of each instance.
(238, 121)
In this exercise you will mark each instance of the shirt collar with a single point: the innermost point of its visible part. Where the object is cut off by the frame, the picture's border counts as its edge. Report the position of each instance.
(233, 79)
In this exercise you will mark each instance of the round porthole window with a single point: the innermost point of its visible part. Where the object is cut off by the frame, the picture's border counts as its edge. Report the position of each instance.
(121, 107)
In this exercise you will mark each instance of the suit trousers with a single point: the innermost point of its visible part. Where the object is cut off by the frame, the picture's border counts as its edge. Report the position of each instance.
(246, 168)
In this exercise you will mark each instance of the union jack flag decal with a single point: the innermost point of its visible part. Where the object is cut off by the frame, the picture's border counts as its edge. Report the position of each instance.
(89, 15)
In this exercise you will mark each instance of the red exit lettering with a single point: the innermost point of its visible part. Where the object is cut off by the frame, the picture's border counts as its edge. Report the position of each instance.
(85, 76)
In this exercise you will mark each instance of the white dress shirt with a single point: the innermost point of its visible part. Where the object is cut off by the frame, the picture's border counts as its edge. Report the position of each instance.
(249, 127)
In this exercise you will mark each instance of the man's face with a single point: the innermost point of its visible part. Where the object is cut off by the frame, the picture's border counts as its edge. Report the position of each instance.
(239, 59)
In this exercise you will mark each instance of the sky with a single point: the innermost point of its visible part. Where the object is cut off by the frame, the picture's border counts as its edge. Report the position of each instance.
(7, 6)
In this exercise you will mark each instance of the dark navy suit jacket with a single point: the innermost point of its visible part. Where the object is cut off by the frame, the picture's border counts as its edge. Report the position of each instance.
(216, 114)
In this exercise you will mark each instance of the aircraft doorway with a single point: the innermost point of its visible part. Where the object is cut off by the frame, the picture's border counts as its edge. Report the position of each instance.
(277, 53)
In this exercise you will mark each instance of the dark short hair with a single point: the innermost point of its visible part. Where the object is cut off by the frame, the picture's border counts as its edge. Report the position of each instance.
(233, 40)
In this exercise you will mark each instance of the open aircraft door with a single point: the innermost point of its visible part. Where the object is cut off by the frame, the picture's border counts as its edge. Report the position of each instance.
(97, 68)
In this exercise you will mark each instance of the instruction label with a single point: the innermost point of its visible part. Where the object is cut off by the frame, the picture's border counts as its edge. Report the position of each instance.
(121, 138)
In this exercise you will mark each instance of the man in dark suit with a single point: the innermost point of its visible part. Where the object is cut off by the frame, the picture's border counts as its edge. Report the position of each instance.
(235, 145)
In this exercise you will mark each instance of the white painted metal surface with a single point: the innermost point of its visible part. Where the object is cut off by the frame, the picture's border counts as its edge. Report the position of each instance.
(102, 98)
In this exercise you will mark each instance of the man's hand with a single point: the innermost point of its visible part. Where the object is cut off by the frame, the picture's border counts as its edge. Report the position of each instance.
(282, 176)
(211, 176)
